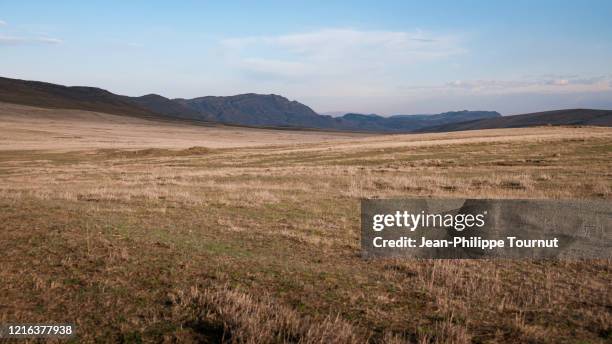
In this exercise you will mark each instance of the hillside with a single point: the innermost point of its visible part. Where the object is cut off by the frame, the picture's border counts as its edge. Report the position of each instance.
(28, 127)
(164, 106)
(258, 110)
(43, 94)
(410, 123)
(557, 117)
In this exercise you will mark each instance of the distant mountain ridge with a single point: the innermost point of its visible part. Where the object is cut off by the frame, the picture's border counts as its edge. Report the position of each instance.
(162, 105)
(257, 110)
(411, 123)
(272, 110)
(555, 117)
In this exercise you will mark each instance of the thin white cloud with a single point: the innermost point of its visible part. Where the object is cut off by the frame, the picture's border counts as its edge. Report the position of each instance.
(558, 82)
(25, 38)
(21, 40)
(336, 53)
(48, 40)
(486, 84)
(545, 83)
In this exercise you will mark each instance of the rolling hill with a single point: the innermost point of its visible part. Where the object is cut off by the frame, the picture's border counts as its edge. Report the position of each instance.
(258, 110)
(43, 94)
(164, 106)
(410, 123)
(557, 117)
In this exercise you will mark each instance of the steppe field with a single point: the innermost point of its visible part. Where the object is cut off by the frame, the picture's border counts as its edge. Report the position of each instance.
(144, 231)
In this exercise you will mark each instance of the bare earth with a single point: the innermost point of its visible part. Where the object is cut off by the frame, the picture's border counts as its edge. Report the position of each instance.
(148, 231)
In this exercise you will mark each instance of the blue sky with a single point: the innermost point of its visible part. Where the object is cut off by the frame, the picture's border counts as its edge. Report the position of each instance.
(386, 57)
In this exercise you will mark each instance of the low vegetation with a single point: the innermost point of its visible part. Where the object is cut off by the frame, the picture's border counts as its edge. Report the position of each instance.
(261, 243)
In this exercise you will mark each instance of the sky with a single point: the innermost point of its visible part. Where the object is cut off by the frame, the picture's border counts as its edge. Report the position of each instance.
(384, 57)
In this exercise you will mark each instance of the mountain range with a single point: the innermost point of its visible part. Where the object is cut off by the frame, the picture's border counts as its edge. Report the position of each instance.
(272, 110)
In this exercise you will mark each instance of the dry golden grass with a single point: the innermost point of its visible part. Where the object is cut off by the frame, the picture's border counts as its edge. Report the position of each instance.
(259, 241)
(26, 127)
(239, 318)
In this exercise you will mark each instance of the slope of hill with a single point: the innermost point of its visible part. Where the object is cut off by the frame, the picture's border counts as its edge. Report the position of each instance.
(29, 127)
(164, 106)
(35, 93)
(557, 117)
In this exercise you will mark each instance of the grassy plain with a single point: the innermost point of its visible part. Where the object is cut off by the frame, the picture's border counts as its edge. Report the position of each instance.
(148, 232)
